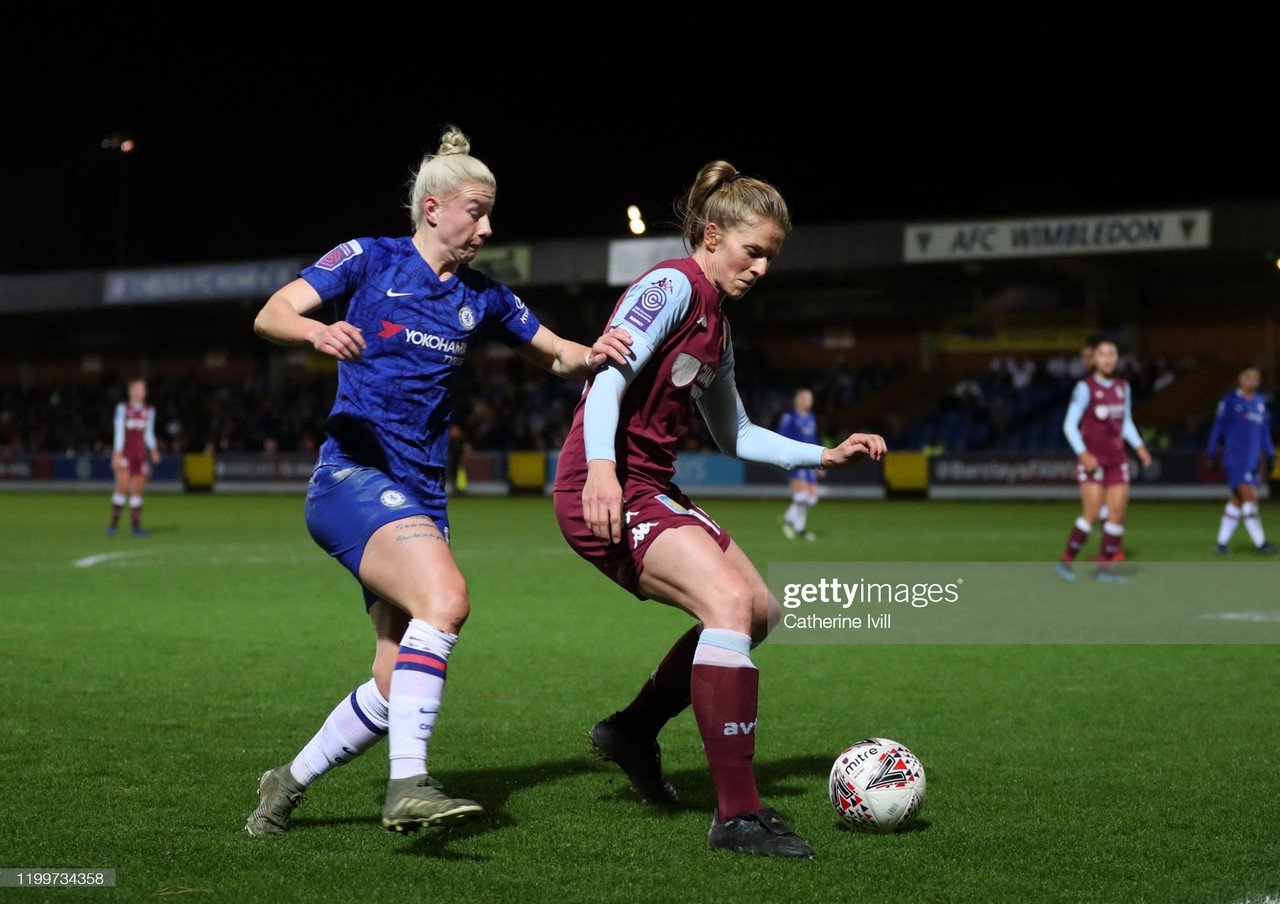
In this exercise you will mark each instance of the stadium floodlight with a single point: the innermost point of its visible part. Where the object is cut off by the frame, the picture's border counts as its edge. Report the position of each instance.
(118, 141)
(635, 221)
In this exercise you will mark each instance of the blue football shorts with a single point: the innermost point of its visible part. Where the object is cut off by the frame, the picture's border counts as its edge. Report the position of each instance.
(346, 505)
(1239, 472)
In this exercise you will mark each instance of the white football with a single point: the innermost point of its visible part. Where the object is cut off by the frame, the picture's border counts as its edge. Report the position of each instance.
(877, 785)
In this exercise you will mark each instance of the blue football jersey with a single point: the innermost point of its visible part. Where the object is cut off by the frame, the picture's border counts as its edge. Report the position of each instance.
(801, 427)
(393, 405)
(1245, 425)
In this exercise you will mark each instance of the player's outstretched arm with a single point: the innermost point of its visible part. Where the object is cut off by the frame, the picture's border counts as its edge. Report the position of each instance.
(282, 321)
(571, 360)
(855, 448)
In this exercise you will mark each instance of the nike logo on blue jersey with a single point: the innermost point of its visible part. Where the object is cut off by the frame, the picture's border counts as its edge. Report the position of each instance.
(391, 293)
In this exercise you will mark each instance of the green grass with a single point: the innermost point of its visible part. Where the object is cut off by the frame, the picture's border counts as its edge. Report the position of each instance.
(144, 694)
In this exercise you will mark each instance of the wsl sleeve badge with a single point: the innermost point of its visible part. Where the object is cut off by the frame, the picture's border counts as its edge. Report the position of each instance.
(877, 785)
(343, 252)
(652, 299)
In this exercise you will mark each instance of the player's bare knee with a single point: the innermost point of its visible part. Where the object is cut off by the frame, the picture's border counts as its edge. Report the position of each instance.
(765, 618)
(449, 610)
(443, 607)
(382, 676)
(730, 608)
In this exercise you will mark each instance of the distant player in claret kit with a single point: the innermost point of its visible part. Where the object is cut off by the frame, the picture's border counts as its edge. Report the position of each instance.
(1243, 425)
(133, 452)
(1099, 422)
(618, 508)
(800, 424)
(408, 309)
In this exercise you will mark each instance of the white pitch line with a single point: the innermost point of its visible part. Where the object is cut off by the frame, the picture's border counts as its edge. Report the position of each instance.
(1248, 617)
(255, 555)
(233, 559)
(90, 561)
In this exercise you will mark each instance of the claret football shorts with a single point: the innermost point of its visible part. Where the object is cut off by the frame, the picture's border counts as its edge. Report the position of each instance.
(646, 513)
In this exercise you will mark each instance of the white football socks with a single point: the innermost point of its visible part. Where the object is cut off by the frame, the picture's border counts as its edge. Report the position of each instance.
(417, 685)
(1230, 521)
(1253, 523)
(355, 725)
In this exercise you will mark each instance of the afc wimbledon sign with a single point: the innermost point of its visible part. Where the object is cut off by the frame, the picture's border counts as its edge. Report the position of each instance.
(1096, 234)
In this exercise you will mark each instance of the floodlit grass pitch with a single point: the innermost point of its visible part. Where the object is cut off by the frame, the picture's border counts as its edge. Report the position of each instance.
(148, 683)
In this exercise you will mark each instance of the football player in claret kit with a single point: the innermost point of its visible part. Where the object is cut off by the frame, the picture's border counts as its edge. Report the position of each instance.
(1099, 422)
(133, 452)
(1243, 426)
(800, 424)
(618, 508)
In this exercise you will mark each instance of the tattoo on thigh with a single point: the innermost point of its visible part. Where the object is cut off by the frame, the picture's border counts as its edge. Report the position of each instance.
(414, 530)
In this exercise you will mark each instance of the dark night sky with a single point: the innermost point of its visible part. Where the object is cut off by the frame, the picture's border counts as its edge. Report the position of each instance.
(257, 148)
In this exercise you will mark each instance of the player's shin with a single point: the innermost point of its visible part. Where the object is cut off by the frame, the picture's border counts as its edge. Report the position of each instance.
(1253, 523)
(417, 686)
(666, 692)
(1076, 539)
(1230, 521)
(1112, 540)
(357, 723)
(725, 688)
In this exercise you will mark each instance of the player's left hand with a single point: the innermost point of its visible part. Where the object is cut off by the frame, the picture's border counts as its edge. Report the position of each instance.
(1144, 456)
(155, 456)
(602, 501)
(857, 446)
(614, 345)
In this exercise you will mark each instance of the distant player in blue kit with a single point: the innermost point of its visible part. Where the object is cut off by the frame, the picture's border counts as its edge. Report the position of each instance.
(406, 312)
(800, 424)
(1244, 424)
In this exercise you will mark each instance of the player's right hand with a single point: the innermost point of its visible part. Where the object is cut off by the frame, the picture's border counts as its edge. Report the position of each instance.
(602, 501)
(1089, 460)
(339, 340)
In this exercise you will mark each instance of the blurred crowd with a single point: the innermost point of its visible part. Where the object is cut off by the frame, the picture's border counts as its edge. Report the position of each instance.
(506, 403)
